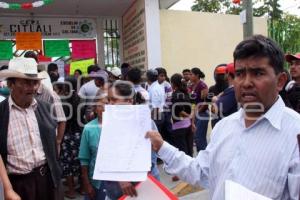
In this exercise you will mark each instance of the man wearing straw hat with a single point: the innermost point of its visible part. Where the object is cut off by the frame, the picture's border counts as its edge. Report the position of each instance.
(27, 132)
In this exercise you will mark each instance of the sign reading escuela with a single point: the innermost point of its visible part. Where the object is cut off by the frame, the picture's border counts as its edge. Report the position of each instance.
(49, 27)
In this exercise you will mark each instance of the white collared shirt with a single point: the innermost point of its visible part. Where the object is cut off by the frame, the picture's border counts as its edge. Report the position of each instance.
(88, 90)
(157, 96)
(263, 157)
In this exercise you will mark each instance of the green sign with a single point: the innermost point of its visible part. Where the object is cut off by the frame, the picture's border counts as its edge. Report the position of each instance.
(6, 51)
(57, 48)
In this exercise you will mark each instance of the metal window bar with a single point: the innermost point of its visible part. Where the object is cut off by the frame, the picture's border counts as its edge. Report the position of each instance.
(112, 42)
(111, 37)
(117, 43)
(106, 42)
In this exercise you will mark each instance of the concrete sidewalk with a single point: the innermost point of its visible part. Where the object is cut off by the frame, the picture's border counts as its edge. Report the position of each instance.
(202, 195)
(167, 181)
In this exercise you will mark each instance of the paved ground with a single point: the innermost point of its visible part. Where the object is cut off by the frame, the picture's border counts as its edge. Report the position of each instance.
(165, 179)
(203, 195)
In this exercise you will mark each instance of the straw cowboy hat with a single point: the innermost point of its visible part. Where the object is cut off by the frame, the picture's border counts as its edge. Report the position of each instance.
(25, 68)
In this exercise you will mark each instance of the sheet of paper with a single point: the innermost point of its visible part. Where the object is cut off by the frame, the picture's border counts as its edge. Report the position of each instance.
(122, 146)
(235, 191)
(121, 176)
(151, 189)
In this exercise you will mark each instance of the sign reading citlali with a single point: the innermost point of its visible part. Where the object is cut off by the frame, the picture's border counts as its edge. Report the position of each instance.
(49, 27)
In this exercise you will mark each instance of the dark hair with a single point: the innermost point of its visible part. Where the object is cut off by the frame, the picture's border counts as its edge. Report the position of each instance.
(152, 75)
(161, 70)
(231, 75)
(125, 65)
(134, 75)
(176, 80)
(198, 72)
(3, 67)
(52, 67)
(259, 46)
(79, 71)
(186, 70)
(93, 68)
(10, 81)
(31, 54)
(138, 98)
(124, 88)
(100, 81)
(73, 82)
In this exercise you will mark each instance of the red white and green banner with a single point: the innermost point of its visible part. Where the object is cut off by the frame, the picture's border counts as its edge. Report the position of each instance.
(25, 5)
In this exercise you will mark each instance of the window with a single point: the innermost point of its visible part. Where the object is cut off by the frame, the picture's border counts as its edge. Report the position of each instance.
(111, 43)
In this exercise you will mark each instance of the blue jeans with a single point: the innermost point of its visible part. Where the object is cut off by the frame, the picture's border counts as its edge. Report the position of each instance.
(100, 194)
(201, 130)
(113, 189)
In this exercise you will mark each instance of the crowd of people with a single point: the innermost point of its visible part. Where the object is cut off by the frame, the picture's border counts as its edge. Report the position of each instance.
(50, 126)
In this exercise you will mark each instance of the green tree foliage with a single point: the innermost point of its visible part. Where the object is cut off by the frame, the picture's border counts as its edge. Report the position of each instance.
(269, 7)
(286, 31)
(260, 7)
(213, 6)
(216, 6)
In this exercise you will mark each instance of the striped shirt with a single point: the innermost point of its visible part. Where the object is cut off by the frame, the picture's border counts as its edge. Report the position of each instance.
(168, 95)
(24, 146)
(263, 157)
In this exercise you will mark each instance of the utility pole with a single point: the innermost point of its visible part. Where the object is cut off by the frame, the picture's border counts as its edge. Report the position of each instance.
(248, 26)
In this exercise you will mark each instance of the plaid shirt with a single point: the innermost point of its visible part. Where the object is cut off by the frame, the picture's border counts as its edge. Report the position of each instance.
(24, 145)
(51, 97)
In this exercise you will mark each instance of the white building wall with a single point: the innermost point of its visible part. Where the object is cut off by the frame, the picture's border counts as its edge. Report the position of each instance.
(153, 33)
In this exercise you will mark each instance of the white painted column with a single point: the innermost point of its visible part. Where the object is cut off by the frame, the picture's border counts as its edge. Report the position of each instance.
(100, 42)
(153, 33)
(121, 40)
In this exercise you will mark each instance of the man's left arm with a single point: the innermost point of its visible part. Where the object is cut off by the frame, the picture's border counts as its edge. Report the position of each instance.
(294, 175)
(60, 118)
(61, 126)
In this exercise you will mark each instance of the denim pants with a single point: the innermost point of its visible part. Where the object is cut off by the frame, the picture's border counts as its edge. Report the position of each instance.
(100, 194)
(202, 120)
(113, 189)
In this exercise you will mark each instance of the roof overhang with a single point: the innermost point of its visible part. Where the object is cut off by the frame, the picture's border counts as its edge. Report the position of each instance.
(73, 8)
(165, 4)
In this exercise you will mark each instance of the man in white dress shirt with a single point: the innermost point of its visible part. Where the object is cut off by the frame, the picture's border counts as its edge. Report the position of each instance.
(256, 146)
(157, 97)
